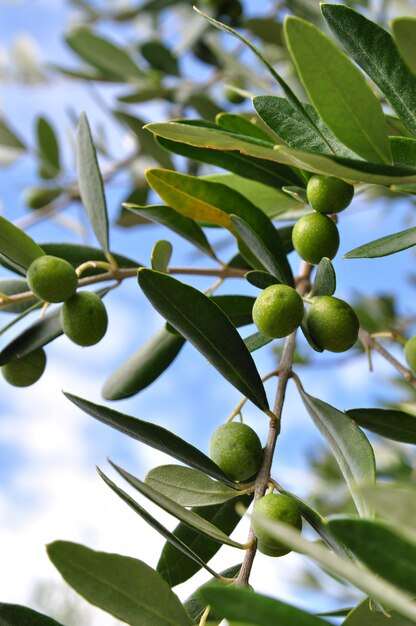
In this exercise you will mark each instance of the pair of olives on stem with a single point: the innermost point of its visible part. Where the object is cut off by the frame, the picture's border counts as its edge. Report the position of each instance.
(83, 315)
(237, 450)
(333, 325)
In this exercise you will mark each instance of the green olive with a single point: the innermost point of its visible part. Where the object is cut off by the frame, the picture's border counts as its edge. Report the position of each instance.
(52, 279)
(410, 353)
(315, 236)
(25, 370)
(278, 311)
(276, 508)
(236, 449)
(327, 194)
(84, 318)
(332, 324)
(233, 96)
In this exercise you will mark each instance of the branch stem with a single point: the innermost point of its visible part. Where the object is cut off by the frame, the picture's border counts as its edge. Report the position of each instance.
(120, 274)
(263, 476)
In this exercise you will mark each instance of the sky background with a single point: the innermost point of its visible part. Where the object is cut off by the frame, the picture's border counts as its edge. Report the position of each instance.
(49, 488)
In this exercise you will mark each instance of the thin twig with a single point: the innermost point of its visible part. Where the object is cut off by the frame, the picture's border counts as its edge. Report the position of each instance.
(120, 274)
(371, 343)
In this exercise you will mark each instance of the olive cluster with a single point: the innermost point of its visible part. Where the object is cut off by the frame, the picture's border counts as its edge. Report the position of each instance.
(83, 315)
(279, 310)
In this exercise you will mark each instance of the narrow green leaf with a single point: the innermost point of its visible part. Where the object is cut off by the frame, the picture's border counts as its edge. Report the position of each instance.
(48, 147)
(396, 504)
(161, 255)
(191, 519)
(374, 50)
(171, 188)
(194, 604)
(237, 603)
(37, 335)
(348, 443)
(11, 286)
(242, 126)
(403, 150)
(348, 169)
(363, 614)
(290, 95)
(183, 226)
(256, 341)
(146, 93)
(311, 341)
(336, 612)
(273, 202)
(389, 423)
(214, 202)
(174, 566)
(102, 54)
(144, 366)
(172, 540)
(152, 435)
(338, 91)
(315, 519)
(147, 143)
(257, 247)
(11, 147)
(16, 247)
(160, 57)
(203, 323)
(188, 487)
(90, 183)
(237, 308)
(385, 245)
(324, 283)
(386, 553)
(126, 588)
(290, 125)
(245, 166)
(16, 615)
(404, 32)
(261, 279)
(372, 585)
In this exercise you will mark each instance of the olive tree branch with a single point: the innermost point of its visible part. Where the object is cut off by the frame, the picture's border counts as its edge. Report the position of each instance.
(120, 274)
(263, 476)
(372, 344)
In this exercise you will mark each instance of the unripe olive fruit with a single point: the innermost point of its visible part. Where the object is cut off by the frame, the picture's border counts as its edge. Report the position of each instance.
(231, 95)
(26, 370)
(276, 508)
(278, 311)
(52, 279)
(236, 449)
(327, 194)
(410, 353)
(315, 236)
(332, 324)
(84, 318)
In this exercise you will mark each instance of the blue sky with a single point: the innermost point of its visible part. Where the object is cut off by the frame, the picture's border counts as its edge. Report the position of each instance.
(49, 449)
